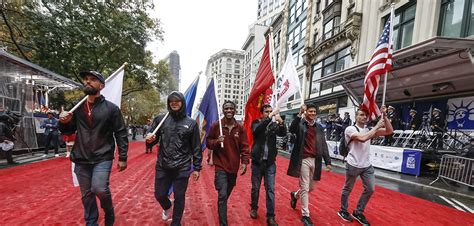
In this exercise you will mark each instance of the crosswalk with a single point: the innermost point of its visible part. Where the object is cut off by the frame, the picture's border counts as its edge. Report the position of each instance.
(456, 204)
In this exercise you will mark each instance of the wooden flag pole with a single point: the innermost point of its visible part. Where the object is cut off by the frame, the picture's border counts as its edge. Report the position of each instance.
(218, 109)
(161, 123)
(110, 77)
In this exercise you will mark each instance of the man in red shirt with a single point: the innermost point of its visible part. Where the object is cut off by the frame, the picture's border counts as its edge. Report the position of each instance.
(306, 157)
(227, 159)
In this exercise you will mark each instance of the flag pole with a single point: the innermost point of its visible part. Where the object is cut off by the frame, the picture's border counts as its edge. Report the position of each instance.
(218, 109)
(161, 123)
(390, 43)
(110, 77)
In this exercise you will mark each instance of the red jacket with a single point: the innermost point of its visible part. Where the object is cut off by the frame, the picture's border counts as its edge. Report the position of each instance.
(236, 147)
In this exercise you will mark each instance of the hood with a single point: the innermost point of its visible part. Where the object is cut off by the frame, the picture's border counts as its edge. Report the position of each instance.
(181, 113)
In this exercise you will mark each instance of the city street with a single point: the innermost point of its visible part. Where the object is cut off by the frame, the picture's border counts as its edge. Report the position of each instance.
(42, 193)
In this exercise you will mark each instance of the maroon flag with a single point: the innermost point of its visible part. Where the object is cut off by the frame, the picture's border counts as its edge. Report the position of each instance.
(261, 92)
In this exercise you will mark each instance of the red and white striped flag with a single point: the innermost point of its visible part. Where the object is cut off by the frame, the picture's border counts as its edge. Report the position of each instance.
(380, 64)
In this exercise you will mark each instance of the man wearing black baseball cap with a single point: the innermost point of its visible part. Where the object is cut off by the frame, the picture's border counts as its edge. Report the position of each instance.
(98, 123)
(96, 74)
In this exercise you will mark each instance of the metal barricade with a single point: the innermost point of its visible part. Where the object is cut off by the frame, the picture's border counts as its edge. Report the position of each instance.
(457, 169)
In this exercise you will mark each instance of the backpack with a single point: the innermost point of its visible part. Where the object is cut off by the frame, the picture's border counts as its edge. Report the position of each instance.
(344, 146)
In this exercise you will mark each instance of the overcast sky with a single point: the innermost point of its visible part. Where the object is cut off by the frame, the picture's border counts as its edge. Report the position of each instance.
(197, 29)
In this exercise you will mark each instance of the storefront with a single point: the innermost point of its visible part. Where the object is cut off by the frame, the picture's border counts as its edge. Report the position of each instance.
(424, 76)
(24, 90)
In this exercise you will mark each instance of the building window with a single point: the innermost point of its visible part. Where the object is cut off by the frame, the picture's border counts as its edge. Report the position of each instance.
(456, 18)
(333, 63)
(403, 25)
(331, 27)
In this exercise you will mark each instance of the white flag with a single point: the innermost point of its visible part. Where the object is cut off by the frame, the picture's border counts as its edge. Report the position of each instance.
(113, 88)
(288, 81)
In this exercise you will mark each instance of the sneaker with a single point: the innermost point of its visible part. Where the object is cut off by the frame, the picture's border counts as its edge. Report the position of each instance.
(271, 221)
(307, 221)
(166, 214)
(345, 215)
(293, 199)
(361, 218)
(56, 155)
(253, 214)
(44, 156)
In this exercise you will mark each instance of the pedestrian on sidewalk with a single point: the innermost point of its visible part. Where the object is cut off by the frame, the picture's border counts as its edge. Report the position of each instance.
(263, 155)
(227, 159)
(306, 158)
(50, 126)
(99, 125)
(179, 152)
(358, 162)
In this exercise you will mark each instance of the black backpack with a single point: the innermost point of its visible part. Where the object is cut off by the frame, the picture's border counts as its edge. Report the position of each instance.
(344, 146)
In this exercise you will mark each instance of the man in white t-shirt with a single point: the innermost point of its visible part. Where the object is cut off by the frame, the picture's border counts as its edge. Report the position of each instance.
(358, 162)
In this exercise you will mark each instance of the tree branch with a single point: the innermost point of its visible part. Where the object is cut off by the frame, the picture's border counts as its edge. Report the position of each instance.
(12, 36)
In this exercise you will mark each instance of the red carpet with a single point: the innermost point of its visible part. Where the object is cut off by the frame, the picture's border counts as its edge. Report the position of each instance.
(42, 194)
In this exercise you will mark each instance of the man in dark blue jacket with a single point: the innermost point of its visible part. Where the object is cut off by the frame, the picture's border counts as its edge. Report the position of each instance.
(97, 122)
(50, 126)
(179, 150)
(264, 152)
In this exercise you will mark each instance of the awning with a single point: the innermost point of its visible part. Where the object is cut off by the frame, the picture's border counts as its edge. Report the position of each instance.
(436, 67)
(16, 67)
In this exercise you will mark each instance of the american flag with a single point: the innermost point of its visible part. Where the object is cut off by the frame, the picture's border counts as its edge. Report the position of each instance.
(380, 63)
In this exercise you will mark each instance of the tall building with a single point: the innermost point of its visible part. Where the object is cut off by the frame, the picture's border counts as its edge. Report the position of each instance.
(267, 11)
(432, 59)
(253, 49)
(227, 67)
(175, 68)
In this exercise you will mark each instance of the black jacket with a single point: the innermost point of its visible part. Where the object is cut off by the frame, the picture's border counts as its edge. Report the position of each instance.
(265, 131)
(179, 139)
(5, 132)
(437, 124)
(97, 144)
(298, 127)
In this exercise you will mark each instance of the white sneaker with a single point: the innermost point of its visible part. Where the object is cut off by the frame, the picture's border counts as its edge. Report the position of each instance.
(56, 155)
(43, 156)
(166, 214)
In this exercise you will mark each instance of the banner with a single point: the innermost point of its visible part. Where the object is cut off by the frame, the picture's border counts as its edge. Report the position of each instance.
(390, 158)
(460, 113)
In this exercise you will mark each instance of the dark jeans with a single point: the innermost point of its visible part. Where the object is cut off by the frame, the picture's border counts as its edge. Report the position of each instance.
(224, 183)
(51, 137)
(94, 181)
(267, 171)
(164, 179)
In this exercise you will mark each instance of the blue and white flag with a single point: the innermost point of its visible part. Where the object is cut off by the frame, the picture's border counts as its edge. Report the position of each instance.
(207, 112)
(190, 96)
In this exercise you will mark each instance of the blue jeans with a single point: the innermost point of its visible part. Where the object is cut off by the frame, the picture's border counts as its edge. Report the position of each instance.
(164, 180)
(224, 183)
(94, 181)
(267, 171)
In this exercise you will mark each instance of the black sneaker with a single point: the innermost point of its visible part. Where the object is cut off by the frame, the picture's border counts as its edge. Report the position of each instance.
(361, 218)
(293, 200)
(345, 215)
(307, 221)
(253, 213)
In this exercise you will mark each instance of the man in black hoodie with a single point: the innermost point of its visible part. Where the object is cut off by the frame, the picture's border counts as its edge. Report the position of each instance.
(179, 151)
(97, 122)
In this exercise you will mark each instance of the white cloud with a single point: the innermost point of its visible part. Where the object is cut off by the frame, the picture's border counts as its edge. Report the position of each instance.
(196, 29)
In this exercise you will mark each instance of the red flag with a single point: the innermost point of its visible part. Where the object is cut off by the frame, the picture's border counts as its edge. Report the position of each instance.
(261, 92)
(380, 63)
